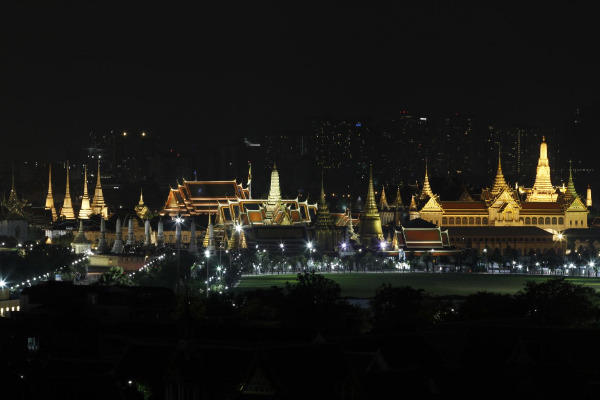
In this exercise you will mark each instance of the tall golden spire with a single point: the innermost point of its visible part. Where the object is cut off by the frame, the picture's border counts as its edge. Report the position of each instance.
(398, 202)
(383, 204)
(49, 198)
(142, 209)
(274, 192)
(426, 191)
(413, 210)
(85, 211)
(370, 222)
(499, 183)
(67, 208)
(542, 190)
(371, 205)
(413, 204)
(98, 205)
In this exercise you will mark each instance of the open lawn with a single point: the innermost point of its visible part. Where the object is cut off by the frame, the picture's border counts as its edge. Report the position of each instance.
(363, 285)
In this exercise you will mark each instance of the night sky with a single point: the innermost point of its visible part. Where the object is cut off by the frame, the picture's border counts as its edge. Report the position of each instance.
(245, 69)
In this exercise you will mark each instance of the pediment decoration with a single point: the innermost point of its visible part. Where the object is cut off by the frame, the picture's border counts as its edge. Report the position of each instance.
(504, 200)
(432, 205)
(577, 205)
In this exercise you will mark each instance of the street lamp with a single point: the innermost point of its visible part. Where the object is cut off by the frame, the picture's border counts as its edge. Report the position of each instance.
(282, 247)
(207, 254)
(178, 221)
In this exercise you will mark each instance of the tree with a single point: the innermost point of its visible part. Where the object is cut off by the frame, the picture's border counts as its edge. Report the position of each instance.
(560, 302)
(496, 257)
(315, 303)
(485, 305)
(402, 308)
(115, 276)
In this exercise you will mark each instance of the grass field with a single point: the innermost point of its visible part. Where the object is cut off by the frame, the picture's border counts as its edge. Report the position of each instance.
(361, 285)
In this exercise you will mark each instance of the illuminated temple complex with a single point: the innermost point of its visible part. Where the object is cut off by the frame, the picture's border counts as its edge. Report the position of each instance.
(544, 206)
(231, 205)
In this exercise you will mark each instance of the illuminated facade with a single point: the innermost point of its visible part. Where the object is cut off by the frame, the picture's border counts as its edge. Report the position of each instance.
(544, 206)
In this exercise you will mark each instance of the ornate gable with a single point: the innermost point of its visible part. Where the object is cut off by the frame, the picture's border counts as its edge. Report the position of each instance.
(504, 199)
(577, 205)
(432, 205)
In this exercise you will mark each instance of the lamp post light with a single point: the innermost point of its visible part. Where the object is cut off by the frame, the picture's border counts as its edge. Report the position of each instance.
(486, 259)
(282, 247)
(207, 254)
(178, 221)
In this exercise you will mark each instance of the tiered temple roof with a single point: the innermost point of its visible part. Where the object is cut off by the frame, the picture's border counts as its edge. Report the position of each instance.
(230, 202)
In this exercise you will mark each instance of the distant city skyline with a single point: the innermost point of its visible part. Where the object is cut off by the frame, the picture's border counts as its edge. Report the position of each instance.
(254, 69)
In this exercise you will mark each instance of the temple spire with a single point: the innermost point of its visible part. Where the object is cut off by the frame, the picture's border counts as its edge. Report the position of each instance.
(499, 183)
(383, 204)
(324, 227)
(67, 208)
(14, 205)
(370, 205)
(249, 185)
(98, 205)
(49, 198)
(542, 190)
(570, 193)
(274, 192)
(85, 211)
(426, 191)
(398, 202)
(370, 221)
(102, 247)
(141, 209)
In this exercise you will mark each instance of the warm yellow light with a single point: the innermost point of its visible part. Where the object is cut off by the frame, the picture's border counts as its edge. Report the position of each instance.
(124, 133)
(143, 133)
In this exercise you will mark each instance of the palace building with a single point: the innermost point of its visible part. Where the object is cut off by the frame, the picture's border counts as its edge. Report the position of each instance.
(238, 217)
(545, 206)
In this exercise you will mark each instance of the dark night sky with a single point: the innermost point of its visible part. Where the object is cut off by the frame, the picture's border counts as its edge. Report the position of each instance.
(248, 69)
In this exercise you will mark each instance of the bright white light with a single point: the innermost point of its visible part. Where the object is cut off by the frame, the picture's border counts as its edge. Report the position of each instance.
(207, 253)
(281, 245)
(309, 245)
(2, 283)
(238, 228)
(344, 246)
